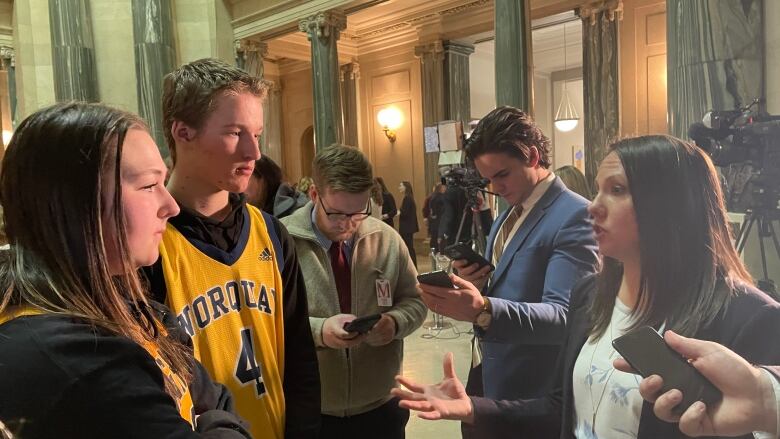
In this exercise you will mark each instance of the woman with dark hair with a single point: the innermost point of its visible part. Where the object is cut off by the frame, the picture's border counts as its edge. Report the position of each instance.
(265, 181)
(268, 192)
(668, 263)
(84, 353)
(407, 223)
(389, 209)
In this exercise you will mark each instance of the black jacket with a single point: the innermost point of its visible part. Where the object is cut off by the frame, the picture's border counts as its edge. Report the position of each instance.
(407, 223)
(742, 327)
(389, 208)
(63, 378)
(301, 373)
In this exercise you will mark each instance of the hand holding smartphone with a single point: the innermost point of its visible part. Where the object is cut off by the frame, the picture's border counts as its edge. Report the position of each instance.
(464, 251)
(362, 325)
(438, 278)
(647, 353)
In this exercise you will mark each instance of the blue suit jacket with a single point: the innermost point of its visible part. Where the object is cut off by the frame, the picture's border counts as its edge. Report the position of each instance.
(529, 290)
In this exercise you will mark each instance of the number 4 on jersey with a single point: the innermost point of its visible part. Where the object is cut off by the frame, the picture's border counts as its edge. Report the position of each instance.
(247, 369)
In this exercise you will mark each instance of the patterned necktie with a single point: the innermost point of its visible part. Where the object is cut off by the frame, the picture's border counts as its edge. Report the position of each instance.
(342, 276)
(503, 234)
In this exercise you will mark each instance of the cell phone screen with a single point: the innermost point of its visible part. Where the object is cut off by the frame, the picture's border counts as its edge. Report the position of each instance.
(646, 351)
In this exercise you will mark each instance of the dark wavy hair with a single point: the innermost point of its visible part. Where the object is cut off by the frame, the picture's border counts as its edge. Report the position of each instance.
(689, 266)
(510, 131)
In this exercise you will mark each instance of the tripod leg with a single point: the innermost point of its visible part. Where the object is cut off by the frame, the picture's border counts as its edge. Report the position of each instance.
(744, 232)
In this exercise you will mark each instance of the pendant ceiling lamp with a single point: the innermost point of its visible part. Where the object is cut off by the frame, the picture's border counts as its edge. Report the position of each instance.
(566, 118)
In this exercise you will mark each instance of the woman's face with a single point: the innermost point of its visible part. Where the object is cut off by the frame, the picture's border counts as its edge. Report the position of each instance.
(146, 203)
(401, 188)
(614, 219)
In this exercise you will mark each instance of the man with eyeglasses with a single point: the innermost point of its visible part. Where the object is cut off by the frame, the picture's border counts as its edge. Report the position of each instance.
(354, 266)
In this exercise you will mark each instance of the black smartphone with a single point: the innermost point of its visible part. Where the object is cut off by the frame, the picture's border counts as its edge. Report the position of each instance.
(647, 353)
(436, 278)
(361, 325)
(464, 251)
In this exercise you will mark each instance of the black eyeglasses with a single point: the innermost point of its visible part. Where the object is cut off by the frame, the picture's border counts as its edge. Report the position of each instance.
(338, 216)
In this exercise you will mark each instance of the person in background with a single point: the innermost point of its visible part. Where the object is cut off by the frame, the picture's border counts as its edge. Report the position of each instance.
(85, 354)
(433, 214)
(262, 187)
(407, 219)
(574, 180)
(389, 209)
(304, 184)
(667, 262)
(376, 200)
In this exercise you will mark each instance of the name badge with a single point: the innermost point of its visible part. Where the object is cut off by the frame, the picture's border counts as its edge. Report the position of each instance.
(383, 295)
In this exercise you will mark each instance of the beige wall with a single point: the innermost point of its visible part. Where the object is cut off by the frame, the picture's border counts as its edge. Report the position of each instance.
(643, 67)
(297, 120)
(32, 44)
(203, 30)
(393, 79)
(112, 30)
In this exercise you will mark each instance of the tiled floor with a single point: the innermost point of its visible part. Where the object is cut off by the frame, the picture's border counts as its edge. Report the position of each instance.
(423, 354)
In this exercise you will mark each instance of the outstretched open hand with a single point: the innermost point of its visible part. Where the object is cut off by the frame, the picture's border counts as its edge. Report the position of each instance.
(444, 400)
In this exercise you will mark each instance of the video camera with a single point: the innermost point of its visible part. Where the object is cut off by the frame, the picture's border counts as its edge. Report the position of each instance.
(744, 136)
(468, 179)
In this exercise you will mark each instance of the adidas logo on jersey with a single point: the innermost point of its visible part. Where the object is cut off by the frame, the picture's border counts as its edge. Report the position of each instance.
(266, 255)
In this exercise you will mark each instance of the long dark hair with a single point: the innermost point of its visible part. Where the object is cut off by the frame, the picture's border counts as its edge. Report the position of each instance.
(408, 189)
(689, 266)
(52, 188)
(268, 171)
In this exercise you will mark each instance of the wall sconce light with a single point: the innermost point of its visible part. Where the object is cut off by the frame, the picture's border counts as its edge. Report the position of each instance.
(390, 119)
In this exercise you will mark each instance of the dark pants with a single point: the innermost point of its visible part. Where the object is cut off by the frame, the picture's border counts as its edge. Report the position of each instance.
(388, 421)
(473, 388)
(409, 241)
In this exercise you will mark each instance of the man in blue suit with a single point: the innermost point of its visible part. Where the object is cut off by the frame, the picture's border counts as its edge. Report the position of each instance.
(541, 246)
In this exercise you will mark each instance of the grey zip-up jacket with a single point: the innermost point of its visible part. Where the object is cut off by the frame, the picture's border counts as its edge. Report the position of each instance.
(358, 379)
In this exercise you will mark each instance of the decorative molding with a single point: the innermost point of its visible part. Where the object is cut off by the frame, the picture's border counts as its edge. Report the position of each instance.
(352, 69)
(323, 23)
(434, 51)
(245, 45)
(613, 9)
(7, 53)
(412, 21)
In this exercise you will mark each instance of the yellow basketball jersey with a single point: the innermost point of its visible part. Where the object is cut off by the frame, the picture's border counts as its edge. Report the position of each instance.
(230, 304)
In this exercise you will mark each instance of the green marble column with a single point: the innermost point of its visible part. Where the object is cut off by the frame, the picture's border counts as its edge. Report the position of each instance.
(456, 81)
(155, 55)
(715, 58)
(433, 102)
(323, 30)
(73, 51)
(600, 87)
(514, 60)
(350, 73)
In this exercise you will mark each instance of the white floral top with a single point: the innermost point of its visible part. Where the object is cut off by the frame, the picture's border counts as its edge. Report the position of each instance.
(599, 389)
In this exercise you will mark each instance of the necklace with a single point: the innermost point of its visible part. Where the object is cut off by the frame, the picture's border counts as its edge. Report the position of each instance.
(606, 382)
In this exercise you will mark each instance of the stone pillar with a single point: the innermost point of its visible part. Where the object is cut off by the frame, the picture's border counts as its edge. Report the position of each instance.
(600, 83)
(32, 44)
(203, 30)
(250, 55)
(271, 144)
(514, 56)
(323, 31)
(73, 52)
(155, 55)
(8, 62)
(456, 81)
(433, 102)
(715, 58)
(350, 73)
(112, 31)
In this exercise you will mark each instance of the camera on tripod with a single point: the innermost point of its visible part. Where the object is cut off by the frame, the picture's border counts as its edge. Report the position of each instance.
(468, 179)
(745, 143)
(744, 137)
